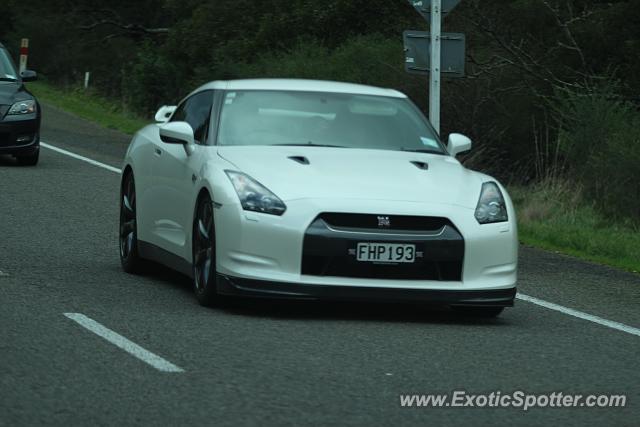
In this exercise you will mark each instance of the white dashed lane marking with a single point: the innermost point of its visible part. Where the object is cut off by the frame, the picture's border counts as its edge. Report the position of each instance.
(79, 157)
(119, 341)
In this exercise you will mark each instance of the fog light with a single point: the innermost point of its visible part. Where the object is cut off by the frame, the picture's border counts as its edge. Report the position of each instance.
(24, 138)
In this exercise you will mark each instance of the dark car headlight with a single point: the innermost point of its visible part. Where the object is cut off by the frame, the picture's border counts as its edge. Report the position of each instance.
(255, 196)
(23, 107)
(491, 207)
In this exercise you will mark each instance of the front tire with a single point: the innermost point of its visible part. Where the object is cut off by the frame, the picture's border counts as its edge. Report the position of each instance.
(128, 235)
(204, 252)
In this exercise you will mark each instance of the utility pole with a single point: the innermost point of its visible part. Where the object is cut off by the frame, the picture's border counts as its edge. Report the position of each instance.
(434, 75)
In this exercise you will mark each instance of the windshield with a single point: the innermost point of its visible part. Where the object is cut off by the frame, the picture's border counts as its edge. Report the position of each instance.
(324, 119)
(7, 70)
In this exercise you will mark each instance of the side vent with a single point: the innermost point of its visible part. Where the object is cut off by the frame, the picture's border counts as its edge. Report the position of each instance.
(300, 159)
(421, 165)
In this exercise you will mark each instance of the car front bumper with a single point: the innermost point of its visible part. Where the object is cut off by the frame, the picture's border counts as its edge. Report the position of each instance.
(266, 252)
(239, 287)
(19, 137)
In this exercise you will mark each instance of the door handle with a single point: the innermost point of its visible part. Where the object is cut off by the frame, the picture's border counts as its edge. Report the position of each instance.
(158, 152)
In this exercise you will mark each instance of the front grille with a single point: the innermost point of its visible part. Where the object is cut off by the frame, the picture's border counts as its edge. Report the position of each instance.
(331, 240)
(396, 222)
(3, 110)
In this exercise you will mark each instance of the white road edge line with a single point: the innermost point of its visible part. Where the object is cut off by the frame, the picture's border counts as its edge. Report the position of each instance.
(118, 340)
(79, 157)
(580, 315)
(542, 303)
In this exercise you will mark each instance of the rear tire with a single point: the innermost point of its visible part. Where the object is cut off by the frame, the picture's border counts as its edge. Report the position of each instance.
(204, 252)
(29, 160)
(479, 312)
(128, 241)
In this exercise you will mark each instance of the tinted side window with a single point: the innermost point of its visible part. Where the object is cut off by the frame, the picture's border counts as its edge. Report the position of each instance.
(196, 111)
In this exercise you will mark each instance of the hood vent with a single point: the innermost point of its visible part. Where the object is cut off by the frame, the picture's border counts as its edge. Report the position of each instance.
(421, 165)
(300, 159)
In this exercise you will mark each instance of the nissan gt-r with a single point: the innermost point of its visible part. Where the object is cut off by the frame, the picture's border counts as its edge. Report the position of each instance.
(304, 189)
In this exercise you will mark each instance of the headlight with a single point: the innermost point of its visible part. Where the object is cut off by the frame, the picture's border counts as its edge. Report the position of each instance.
(491, 207)
(254, 196)
(23, 107)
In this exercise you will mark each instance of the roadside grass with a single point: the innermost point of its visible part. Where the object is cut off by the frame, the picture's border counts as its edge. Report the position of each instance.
(553, 215)
(88, 105)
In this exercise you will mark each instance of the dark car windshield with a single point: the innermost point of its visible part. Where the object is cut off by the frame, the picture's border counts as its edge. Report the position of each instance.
(7, 70)
(324, 119)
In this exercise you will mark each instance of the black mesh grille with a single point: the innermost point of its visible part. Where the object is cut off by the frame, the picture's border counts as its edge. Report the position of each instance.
(345, 267)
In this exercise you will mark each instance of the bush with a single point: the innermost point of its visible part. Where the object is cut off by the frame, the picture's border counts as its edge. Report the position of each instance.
(151, 81)
(371, 59)
(600, 137)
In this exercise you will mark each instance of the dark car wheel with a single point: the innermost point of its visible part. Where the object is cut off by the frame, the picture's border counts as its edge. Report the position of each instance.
(204, 252)
(480, 312)
(29, 160)
(129, 258)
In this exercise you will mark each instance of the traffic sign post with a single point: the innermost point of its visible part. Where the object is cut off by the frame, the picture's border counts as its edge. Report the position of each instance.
(427, 52)
(24, 54)
(434, 75)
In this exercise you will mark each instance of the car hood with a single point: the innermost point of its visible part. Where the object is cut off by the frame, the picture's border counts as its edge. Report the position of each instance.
(11, 93)
(356, 174)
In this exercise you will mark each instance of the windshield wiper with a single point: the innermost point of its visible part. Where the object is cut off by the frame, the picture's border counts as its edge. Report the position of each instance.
(309, 144)
(8, 79)
(421, 150)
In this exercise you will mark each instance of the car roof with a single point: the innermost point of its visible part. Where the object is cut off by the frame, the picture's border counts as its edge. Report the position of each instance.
(300, 85)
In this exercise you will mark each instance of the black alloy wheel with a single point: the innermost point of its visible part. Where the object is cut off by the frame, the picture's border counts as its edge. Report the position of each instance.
(129, 258)
(204, 252)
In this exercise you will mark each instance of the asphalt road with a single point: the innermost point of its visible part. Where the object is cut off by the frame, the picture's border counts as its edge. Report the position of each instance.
(260, 363)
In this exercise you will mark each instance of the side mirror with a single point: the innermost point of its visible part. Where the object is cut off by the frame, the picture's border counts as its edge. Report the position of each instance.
(164, 113)
(29, 76)
(458, 143)
(177, 133)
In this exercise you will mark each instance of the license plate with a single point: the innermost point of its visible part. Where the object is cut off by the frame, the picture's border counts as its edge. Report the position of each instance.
(386, 252)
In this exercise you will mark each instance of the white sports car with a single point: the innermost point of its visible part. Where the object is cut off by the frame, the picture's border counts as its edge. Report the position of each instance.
(315, 190)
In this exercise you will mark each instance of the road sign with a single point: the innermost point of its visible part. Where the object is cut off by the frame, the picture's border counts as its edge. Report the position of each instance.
(417, 48)
(434, 53)
(424, 7)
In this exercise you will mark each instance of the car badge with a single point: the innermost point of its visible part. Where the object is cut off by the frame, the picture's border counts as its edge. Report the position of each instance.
(384, 222)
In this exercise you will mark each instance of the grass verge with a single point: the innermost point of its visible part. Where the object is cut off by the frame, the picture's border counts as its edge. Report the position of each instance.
(552, 215)
(88, 105)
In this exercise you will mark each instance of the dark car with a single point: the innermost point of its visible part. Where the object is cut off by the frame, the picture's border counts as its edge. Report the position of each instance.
(19, 113)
